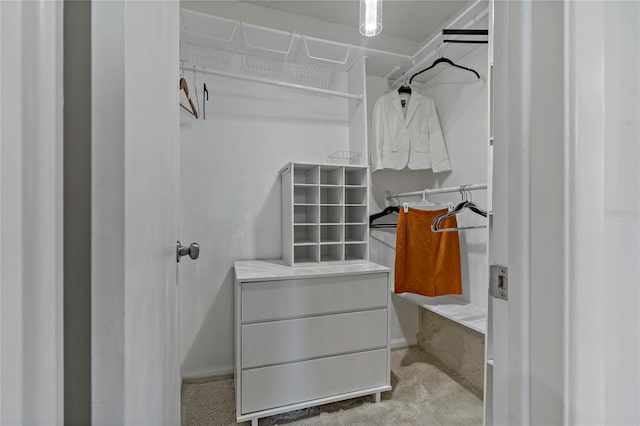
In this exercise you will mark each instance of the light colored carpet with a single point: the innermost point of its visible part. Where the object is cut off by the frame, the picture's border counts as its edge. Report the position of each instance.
(422, 395)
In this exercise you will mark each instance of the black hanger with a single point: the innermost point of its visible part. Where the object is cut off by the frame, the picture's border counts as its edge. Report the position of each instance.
(385, 212)
(205, 93)
(442, 60)
(467, 203)
(404, 89)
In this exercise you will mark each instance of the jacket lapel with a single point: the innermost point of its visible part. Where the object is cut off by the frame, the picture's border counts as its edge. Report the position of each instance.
(395, 101)
(414, 104)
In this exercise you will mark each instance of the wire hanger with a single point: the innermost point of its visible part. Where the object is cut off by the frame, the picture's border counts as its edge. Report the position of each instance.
(466, 203)
(443, 60)
(185, 88)
(422, 203)
(195, 87)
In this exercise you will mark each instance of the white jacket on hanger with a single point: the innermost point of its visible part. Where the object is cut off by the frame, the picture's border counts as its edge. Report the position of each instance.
(414, 141)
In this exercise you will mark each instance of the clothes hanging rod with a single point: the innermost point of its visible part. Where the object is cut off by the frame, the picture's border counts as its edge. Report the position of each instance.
(189, 68)
(464, 31)
(474, 187)
(466, 41)
(430, 49)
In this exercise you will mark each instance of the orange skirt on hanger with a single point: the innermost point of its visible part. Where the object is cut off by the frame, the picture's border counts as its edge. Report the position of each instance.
(427, 263)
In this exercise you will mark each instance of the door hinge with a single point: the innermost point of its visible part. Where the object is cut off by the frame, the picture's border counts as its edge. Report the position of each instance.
(499, 282)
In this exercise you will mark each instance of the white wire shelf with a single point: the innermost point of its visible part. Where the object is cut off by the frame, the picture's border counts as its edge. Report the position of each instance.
(187, 67)
(313, 60)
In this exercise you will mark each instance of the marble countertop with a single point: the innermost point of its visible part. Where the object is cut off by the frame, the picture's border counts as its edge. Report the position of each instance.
(268, 270)
(454, 308)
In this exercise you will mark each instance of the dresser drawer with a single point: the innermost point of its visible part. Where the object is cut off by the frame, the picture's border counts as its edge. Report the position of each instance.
(279, 385)
(272, 300)
(298, 339)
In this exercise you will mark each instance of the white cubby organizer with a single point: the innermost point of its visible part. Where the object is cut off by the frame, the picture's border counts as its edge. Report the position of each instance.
(325, 213)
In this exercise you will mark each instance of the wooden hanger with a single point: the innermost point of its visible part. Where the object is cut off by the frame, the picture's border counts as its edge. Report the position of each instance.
(185, 88)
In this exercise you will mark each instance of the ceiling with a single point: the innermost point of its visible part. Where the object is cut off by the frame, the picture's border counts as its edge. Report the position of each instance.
(406, 19)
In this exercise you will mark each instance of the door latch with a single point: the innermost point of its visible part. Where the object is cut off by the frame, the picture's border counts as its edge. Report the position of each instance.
(499, 282)
(193, 251)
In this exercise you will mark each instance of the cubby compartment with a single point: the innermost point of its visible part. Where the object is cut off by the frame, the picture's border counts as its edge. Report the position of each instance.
(331, 214)
(319, 210)
(355, 233)
(355, 176)
(306, 234)
(356, 214)
(355, 195)
(306, 254)
(331, 175)
(331, 233)
(331, 195)
(355, 251)
(306, 195)
(306, 214)
(331, 252)
(305, 174)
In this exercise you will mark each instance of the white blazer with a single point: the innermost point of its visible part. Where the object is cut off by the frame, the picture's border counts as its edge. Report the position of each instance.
(414, 141)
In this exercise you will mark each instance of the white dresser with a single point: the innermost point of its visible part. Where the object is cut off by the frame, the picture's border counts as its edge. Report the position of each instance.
(308, 336)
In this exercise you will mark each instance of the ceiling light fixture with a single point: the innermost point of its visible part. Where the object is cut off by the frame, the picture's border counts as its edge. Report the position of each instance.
(370, 17)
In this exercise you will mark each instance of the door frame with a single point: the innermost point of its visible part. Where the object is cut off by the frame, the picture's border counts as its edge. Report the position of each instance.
(31, 213)
(20, 149)
(526, 333)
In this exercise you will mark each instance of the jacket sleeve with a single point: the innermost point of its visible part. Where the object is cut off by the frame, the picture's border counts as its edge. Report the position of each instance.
(377, 136)
(439, 155)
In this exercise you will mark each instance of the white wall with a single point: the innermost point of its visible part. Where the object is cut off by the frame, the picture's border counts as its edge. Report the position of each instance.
(404, 314)
(462, 107)
(461, 100)
(230, 196)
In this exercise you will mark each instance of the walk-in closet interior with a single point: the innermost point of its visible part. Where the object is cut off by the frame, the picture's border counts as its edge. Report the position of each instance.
(339, 188)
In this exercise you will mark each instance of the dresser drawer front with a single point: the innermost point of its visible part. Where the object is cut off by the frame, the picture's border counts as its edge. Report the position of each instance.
(272, 300)
(303, 338)
(276, 386)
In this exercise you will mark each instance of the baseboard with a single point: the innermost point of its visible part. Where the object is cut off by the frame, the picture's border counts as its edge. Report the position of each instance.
(403, 343)
(216, 372)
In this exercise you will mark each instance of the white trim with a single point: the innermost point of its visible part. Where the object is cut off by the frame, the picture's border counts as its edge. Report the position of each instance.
(519, 309)
(403, 343)
(569, 112)
(210, 372)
